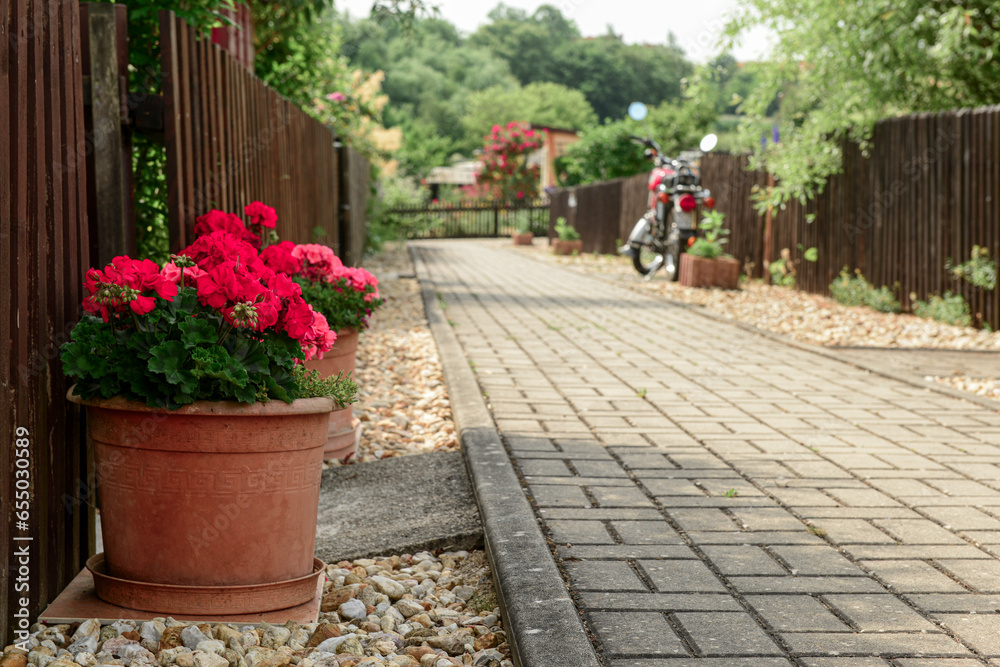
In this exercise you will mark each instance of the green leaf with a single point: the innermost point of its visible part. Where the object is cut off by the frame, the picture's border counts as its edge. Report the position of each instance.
(811, 255)
(168, 359)
(196, 332)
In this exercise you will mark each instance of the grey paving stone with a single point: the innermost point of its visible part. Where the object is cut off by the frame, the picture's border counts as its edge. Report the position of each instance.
(817, 560)
(671, 487)
(548, 495)
(958, 602)
(661, 602)
(626, 551)
(905, 551)
(588, 468)
(880, 613)
(868, 644)
(600, 575)
(853, 531)
(742, 560)
(580, 532)
(768, 519)
(808, 585)
(727, 634)
(912, 576)
(647, 532)
(980, 631)
(918, 531)
(980, 575)
(796, 613)
(544, 467)
(643, 633)
(599, 513)
(702, 519)
(763, 538)
(703, 662)
(843, 662)
(615, 496)
(681, 576)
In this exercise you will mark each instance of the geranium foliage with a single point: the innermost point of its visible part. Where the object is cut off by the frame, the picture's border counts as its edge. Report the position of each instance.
(506, 174)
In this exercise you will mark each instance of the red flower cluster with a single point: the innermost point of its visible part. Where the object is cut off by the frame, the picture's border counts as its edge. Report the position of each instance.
(251, 295)
(279, 258)
(220, 221)
(318, 262)
(126, 283)
(261, 215)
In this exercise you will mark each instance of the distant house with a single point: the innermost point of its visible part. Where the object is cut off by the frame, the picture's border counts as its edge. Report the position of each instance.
(557, 140)
(460, 173)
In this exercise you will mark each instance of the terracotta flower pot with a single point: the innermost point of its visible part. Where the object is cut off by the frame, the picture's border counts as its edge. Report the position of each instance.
(342, 440)
(721, 272)
(343, 356)
(212, 494)
(561, 247)
(523, 239)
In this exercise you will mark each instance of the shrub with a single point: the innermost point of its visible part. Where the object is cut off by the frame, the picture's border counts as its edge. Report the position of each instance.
(856, 291)
(980, 270)
(565, 232)
(949, 309)
(710, 245)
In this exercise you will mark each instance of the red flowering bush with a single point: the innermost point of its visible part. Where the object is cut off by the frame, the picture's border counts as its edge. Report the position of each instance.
(216, 323)
(505, 174)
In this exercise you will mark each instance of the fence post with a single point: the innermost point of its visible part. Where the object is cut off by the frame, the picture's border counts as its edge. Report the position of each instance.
(496, 219)
(109, 160)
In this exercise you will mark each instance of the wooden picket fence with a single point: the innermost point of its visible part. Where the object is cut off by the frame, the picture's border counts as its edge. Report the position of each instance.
(66, 204)
(925, 193)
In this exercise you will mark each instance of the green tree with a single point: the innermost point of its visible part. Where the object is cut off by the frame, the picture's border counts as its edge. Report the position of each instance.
(603, 152)
(849, 65)
(540, 104)
(526, 42)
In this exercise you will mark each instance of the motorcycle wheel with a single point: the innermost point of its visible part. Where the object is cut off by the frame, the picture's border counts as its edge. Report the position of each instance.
(643, 258)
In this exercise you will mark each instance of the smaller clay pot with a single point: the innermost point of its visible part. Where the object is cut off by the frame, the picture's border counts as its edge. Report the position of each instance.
(342, 357)
(721, 272)
(561, 247)
(342, 438)
(523, 239)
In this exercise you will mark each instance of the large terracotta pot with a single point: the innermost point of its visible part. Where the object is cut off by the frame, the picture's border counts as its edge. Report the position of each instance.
(523, 239)
(561, 247)
(212, 494)
(721, 272)
(342, 357)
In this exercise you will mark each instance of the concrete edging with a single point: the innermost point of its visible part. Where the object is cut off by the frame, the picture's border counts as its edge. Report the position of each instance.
(542, 622)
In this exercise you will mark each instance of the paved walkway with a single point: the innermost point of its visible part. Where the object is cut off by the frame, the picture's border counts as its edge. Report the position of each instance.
(717, 498)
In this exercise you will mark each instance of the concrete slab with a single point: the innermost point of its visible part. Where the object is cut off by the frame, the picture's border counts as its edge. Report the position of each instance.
(399, 505)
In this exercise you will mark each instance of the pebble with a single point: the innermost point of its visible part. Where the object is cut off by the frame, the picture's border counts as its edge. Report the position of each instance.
(435, 623)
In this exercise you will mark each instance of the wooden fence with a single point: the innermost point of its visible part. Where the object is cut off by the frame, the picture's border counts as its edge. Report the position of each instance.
(926, 192)
(486, 219)
(232, 140)
(603, 213)
(66, 121)
(44, 250)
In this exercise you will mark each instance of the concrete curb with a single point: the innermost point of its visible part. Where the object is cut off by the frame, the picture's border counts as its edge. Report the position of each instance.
(543, 625)
(815, 349)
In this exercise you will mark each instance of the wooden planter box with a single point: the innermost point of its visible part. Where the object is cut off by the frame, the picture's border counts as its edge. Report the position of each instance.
(523, 239)
(566, 247)
(722, 272)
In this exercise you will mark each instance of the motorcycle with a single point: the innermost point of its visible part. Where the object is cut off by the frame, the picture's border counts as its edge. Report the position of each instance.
(670, 226)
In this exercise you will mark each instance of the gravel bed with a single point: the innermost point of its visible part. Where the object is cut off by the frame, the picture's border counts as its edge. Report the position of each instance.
(987, 387)
(403, 399)
(401, 611)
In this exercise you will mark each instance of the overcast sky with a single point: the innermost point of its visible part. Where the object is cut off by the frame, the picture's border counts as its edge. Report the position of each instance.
(697, 23)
